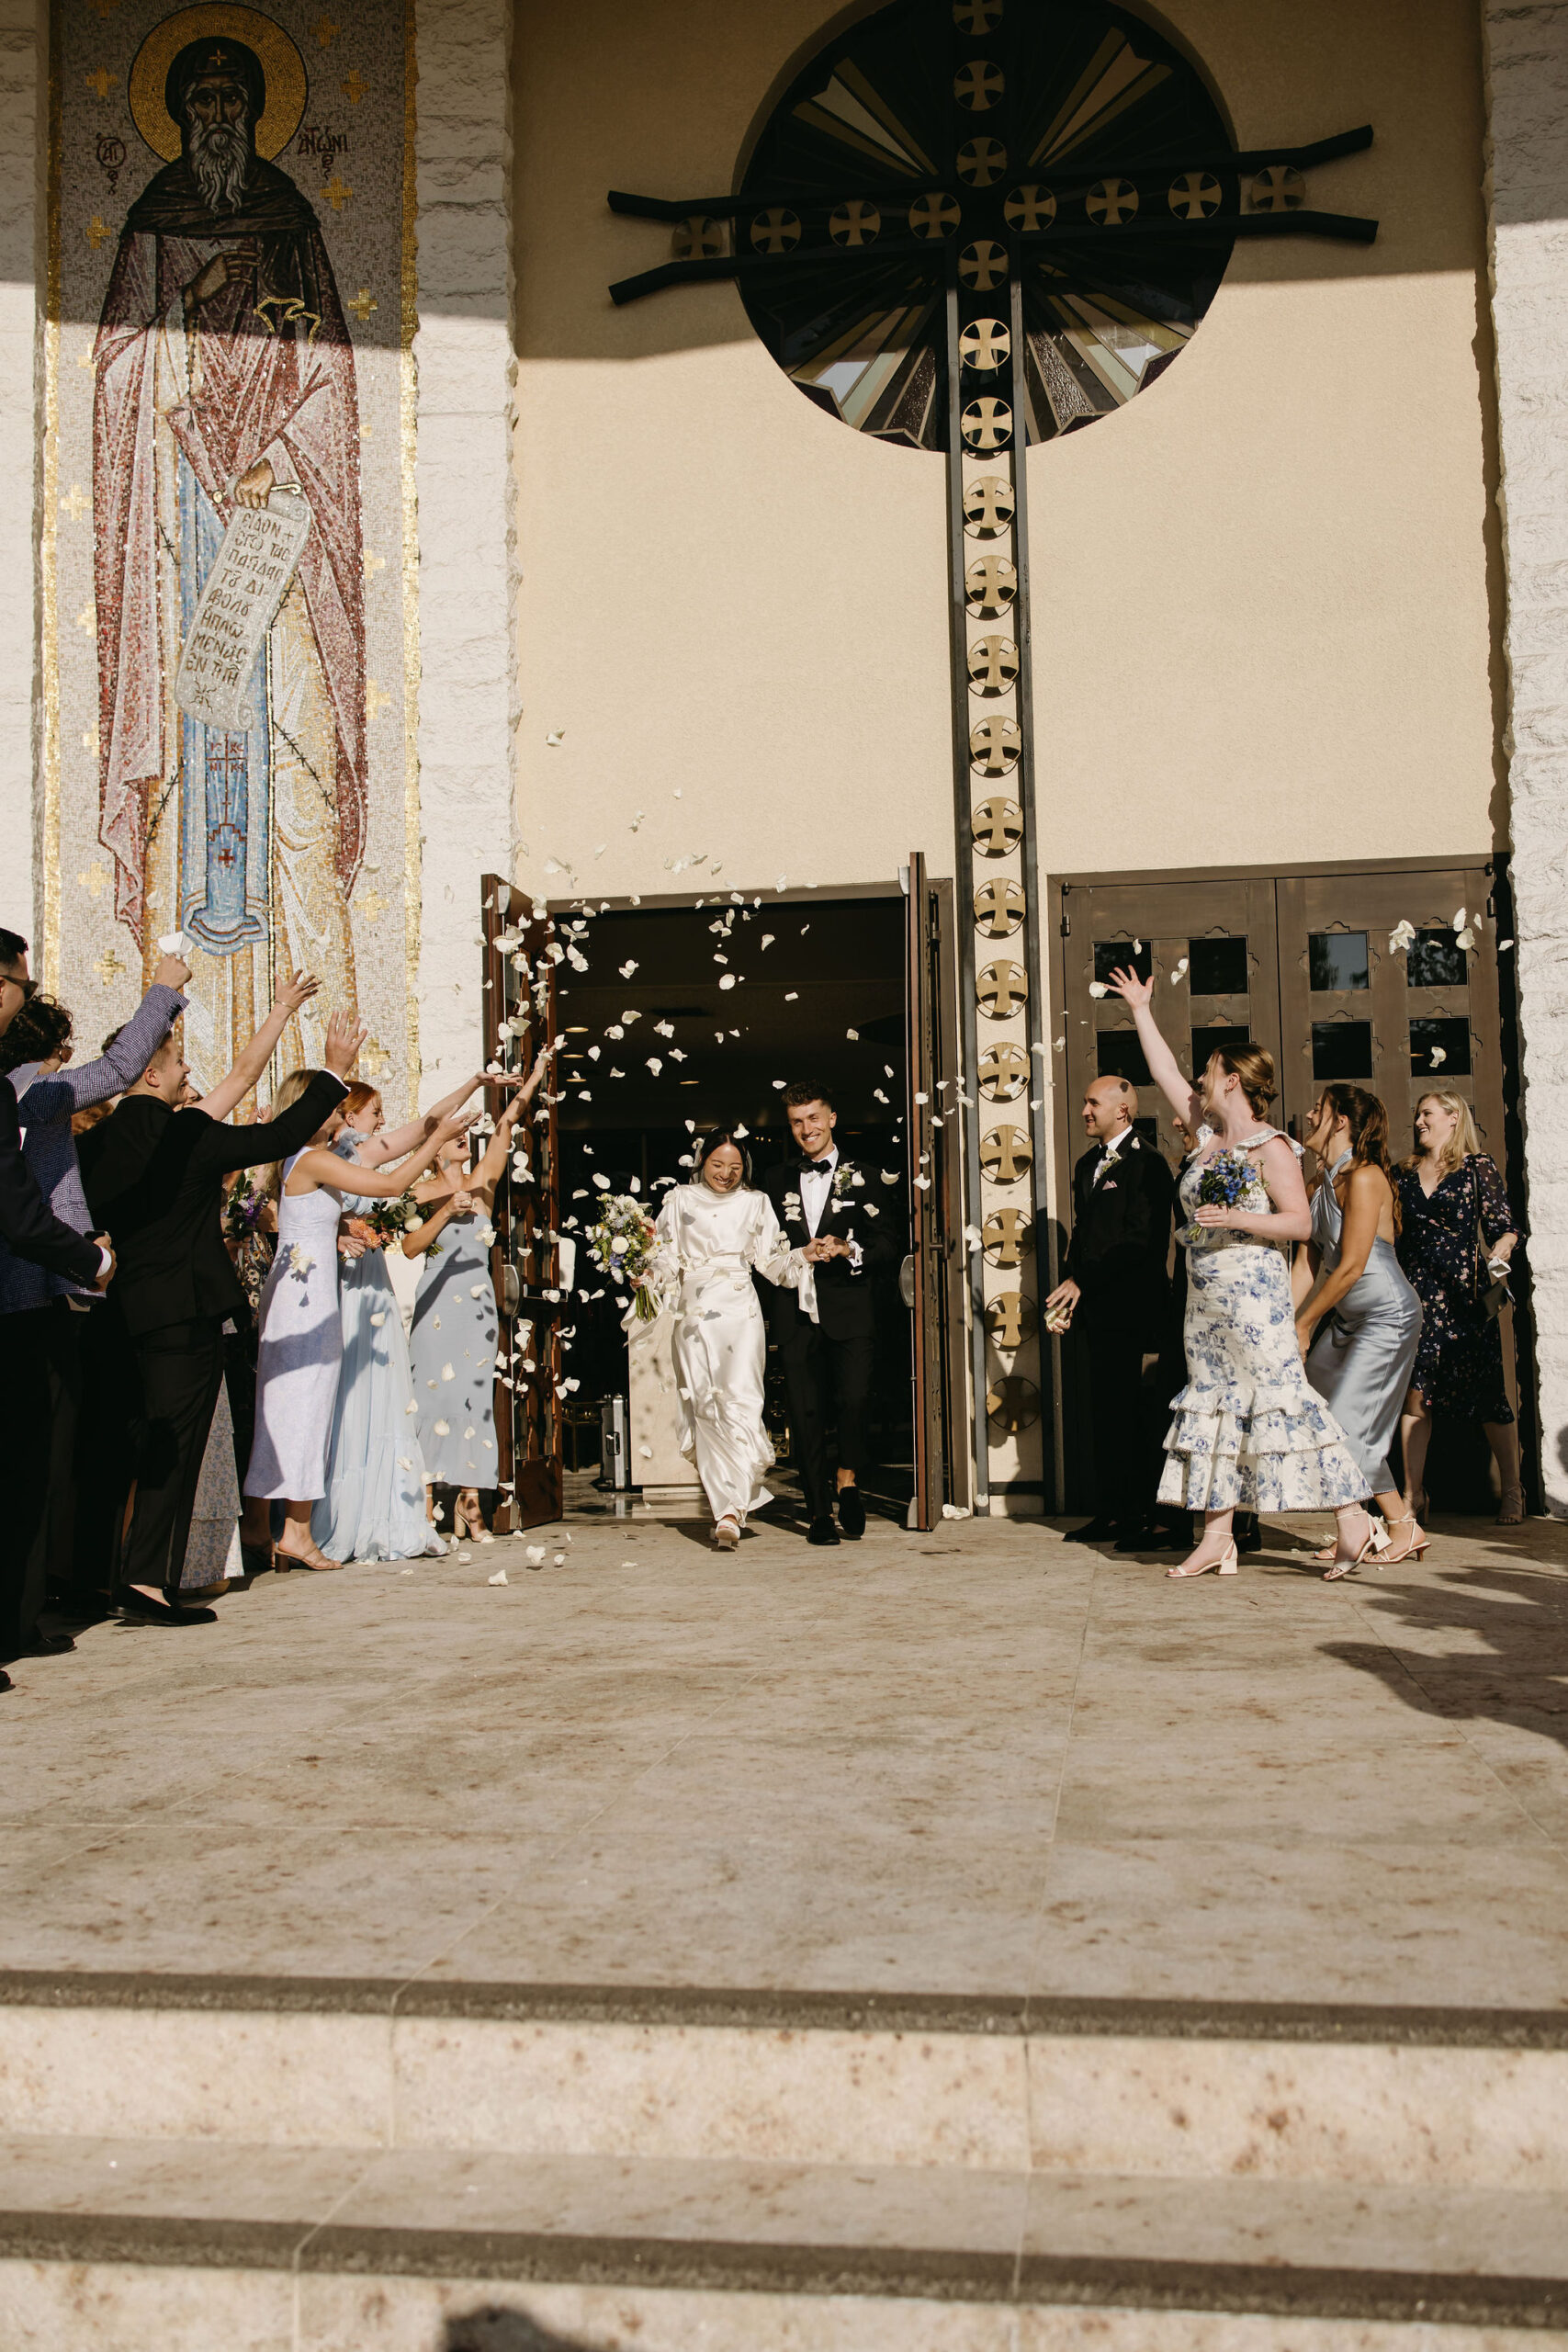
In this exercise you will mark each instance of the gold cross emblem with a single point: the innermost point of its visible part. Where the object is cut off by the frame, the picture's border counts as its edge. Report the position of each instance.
(1278, 188)
(1014, 1403)
(1111, 202)
(934, 216)
(326, 32)
(995, 744)
(96, 231)
(982, 161)
(102, 81)
(1030, 207)
(1194, 195)
(992, 664)
(978, 85)
(1002, 989)
(985, 345)
(337, 192)
(987, 506)
(997, 826)
(991, 583)
(1008, 1318)
(1005, 1236)
(776, 229)
(363, 304)
(697, 238)
(77, 504)
(1005, 1155)
(1004, 1070)
(352, 88)
(982, 265)
(854, 225)
(987, 424)
(999, 912)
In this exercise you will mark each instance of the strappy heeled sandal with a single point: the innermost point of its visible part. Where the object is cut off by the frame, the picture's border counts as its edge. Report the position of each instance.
(1376, 1541)
(1413, 1546)
(1511, 1508)
(1225, 1566)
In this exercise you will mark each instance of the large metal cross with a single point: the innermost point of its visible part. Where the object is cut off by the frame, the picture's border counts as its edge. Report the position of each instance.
(968, 225)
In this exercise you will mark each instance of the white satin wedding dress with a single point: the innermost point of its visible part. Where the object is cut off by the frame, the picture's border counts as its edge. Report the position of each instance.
(709, 1245)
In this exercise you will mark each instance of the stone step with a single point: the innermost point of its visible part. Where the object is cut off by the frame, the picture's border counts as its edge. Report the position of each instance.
(178, 2245)
(1162, 2090)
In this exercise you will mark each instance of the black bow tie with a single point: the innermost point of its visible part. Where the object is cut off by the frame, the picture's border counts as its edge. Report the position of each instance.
(818, 1166)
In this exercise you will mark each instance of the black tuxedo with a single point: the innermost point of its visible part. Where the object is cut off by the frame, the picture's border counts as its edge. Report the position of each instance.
(154, 1183)
(1117, 1255)
(828, 1364)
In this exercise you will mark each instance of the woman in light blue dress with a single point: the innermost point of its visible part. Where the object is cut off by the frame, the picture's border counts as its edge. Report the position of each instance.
(1358, 1318)
(452, 1346)
(375, 1506)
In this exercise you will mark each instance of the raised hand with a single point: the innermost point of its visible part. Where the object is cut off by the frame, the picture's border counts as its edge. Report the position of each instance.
(1127, 984)
(344, 1037)
(297, 990)
(457, 1125)
(463, 1204)
(173, 972)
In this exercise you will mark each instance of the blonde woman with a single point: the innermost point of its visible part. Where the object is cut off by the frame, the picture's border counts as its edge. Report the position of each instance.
(301, 1328)
(1247, 1432)
(1451, 1196)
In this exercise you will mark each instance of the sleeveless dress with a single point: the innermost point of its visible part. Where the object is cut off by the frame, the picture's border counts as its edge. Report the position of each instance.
(452, 1357)
(300, 1351)
(374, 1505)
(708, 1247)
(1363, 1354)
(1247, 1432)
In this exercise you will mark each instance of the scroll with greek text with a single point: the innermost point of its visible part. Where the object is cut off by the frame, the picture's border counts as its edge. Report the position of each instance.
(239, 600)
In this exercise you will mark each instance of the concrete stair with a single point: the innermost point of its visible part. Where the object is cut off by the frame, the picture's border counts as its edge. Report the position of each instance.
(279, 2165)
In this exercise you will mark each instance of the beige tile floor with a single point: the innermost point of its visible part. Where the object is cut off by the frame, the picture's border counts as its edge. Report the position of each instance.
(982, 1760)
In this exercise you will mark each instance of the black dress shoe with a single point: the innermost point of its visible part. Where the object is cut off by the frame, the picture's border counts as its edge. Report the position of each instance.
(134, 1608)
(1245, 1531)
(1135, 1537)
(1096, 1531)
(45, 1645)
(6, 1681)
(821, 1530)
(852, 1514)
(1159, 1537)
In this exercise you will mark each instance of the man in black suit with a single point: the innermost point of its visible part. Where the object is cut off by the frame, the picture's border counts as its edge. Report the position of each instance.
(30, 1228)
(823, 1203)
(1118, 1284)
(154, 1173)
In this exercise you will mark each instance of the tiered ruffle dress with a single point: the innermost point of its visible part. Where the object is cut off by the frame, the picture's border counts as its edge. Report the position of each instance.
(1247, 1432)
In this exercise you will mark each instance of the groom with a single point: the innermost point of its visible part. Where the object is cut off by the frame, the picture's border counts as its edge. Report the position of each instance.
(823, 1203)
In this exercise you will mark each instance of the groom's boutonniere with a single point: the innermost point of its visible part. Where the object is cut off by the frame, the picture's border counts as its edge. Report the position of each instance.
(844, 1177)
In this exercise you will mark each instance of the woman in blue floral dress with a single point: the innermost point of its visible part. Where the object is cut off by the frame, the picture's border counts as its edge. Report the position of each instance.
(1247, 1432)
(1451, 1198)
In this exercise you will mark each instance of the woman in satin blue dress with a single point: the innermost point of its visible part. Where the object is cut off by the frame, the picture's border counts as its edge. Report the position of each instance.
(1358, 1319)
(375, 1506)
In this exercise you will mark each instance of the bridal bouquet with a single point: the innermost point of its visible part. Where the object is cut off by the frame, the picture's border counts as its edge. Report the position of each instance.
(622, 1243)
(246, 1212)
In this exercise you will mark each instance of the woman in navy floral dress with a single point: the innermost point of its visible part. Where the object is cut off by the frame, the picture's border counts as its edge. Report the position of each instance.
(1450, 1190)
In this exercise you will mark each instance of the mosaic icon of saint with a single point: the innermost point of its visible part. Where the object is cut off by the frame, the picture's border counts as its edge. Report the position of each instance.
(225, 378)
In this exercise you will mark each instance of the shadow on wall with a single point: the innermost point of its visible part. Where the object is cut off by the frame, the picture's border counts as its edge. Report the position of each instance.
(494, 2330)
(1510, 1665)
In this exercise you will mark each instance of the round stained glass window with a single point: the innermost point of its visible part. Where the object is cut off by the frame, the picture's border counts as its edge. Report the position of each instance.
(1102, 179)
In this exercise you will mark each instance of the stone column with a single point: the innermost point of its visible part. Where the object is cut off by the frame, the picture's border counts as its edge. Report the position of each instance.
(463, 352)
(21, 60)
(1526, 79)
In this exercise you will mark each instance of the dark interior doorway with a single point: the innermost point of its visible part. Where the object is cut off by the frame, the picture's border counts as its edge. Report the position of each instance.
(816, 991)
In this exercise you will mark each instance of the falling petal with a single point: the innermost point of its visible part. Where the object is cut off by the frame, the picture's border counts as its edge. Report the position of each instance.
(443, 1428)
(1439, 1056)
(1097, 988)
(498, 1577)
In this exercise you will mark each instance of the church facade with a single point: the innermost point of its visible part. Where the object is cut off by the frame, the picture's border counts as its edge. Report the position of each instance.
(967, 493)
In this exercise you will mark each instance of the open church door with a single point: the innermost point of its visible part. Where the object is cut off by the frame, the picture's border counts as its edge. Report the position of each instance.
(935, 1217)
(520, 957)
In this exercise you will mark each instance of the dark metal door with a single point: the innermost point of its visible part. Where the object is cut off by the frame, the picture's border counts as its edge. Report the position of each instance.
(520, 959)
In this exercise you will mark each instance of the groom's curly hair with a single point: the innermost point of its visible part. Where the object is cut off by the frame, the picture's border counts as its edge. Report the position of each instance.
(807, 1090)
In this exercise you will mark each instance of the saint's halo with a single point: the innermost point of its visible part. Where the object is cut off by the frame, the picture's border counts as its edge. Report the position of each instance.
(281, 62)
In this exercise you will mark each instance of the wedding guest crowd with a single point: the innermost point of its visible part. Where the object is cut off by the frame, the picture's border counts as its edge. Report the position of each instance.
(1312, 1328)
(137, 1260)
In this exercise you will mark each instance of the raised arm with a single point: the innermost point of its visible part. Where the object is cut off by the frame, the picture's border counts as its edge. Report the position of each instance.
(1164, 1068)
(133, 1048)
(329, 1168)
(417, 1241)
(256, 1057)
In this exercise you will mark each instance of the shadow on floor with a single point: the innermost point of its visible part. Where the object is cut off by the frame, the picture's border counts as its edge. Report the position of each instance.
(1513, 1668)
(492, 2330)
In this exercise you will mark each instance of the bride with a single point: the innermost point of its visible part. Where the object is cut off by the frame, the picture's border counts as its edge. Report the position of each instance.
(711, 1235)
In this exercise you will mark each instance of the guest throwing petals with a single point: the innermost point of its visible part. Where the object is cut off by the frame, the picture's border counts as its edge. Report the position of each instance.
(1452, 1197)
(1248, 1430)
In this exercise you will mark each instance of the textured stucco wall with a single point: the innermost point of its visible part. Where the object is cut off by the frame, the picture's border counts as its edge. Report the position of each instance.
(467, 540)
(1526, 66)
(21, 64)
